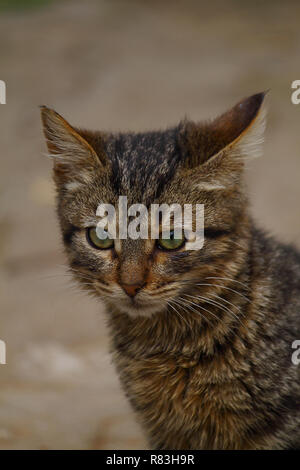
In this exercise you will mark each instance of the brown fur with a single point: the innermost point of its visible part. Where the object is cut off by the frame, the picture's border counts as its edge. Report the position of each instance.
(204, 349)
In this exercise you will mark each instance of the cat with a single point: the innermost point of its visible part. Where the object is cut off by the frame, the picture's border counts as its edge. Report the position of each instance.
(202, 340)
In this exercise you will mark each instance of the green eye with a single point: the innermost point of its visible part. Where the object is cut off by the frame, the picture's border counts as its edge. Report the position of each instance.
(97, 242)
(171, 243)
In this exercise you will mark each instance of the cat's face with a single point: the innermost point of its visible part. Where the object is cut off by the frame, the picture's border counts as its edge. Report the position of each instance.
(189, 164)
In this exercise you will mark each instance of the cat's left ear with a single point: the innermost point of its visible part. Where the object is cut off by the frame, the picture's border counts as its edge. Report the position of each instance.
(229, 139)
(74, 157)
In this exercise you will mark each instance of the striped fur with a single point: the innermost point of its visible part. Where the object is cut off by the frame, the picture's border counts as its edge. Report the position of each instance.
(204, 349)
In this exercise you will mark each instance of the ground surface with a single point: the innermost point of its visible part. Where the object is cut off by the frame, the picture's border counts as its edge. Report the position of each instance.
(116, 65)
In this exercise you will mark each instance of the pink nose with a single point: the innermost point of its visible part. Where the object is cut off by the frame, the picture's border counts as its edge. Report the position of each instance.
(132, 289)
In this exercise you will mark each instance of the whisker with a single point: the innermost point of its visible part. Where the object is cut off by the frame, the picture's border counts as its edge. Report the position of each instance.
(183, 304)
(228, 279)
(227, 302)
(202, 308)
(166, 291)
(216, 304)
(176, 311)
(227, 288)
(191, 281)
(212, 302)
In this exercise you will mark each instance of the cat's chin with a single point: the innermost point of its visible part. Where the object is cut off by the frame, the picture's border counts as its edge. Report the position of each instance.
(139, 310)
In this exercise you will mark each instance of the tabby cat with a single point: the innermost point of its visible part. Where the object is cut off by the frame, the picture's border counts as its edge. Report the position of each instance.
(201, 339)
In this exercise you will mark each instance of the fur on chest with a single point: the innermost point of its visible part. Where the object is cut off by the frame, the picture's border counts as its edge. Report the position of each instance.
(186, 403)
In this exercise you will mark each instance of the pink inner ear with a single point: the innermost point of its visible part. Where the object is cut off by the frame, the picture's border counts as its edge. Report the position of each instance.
(202, 141)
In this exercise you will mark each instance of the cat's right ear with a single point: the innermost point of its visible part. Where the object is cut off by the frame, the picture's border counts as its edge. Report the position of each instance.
(235, 135)
(74, 158)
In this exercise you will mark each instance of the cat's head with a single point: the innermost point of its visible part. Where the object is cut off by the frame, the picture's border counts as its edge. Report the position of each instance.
(188, 164)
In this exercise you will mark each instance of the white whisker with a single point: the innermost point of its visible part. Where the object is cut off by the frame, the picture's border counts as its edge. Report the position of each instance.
(183, 303)
(227, 288)
(174, 308)
(216, 304)
(227, 302)
(228, 279)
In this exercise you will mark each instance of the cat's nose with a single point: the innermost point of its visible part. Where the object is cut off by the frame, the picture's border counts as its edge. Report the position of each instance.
(132, 289)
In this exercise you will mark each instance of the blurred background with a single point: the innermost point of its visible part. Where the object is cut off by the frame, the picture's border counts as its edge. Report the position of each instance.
(117, 65)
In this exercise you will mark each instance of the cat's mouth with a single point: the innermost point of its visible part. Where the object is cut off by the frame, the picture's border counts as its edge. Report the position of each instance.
(143, 304)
